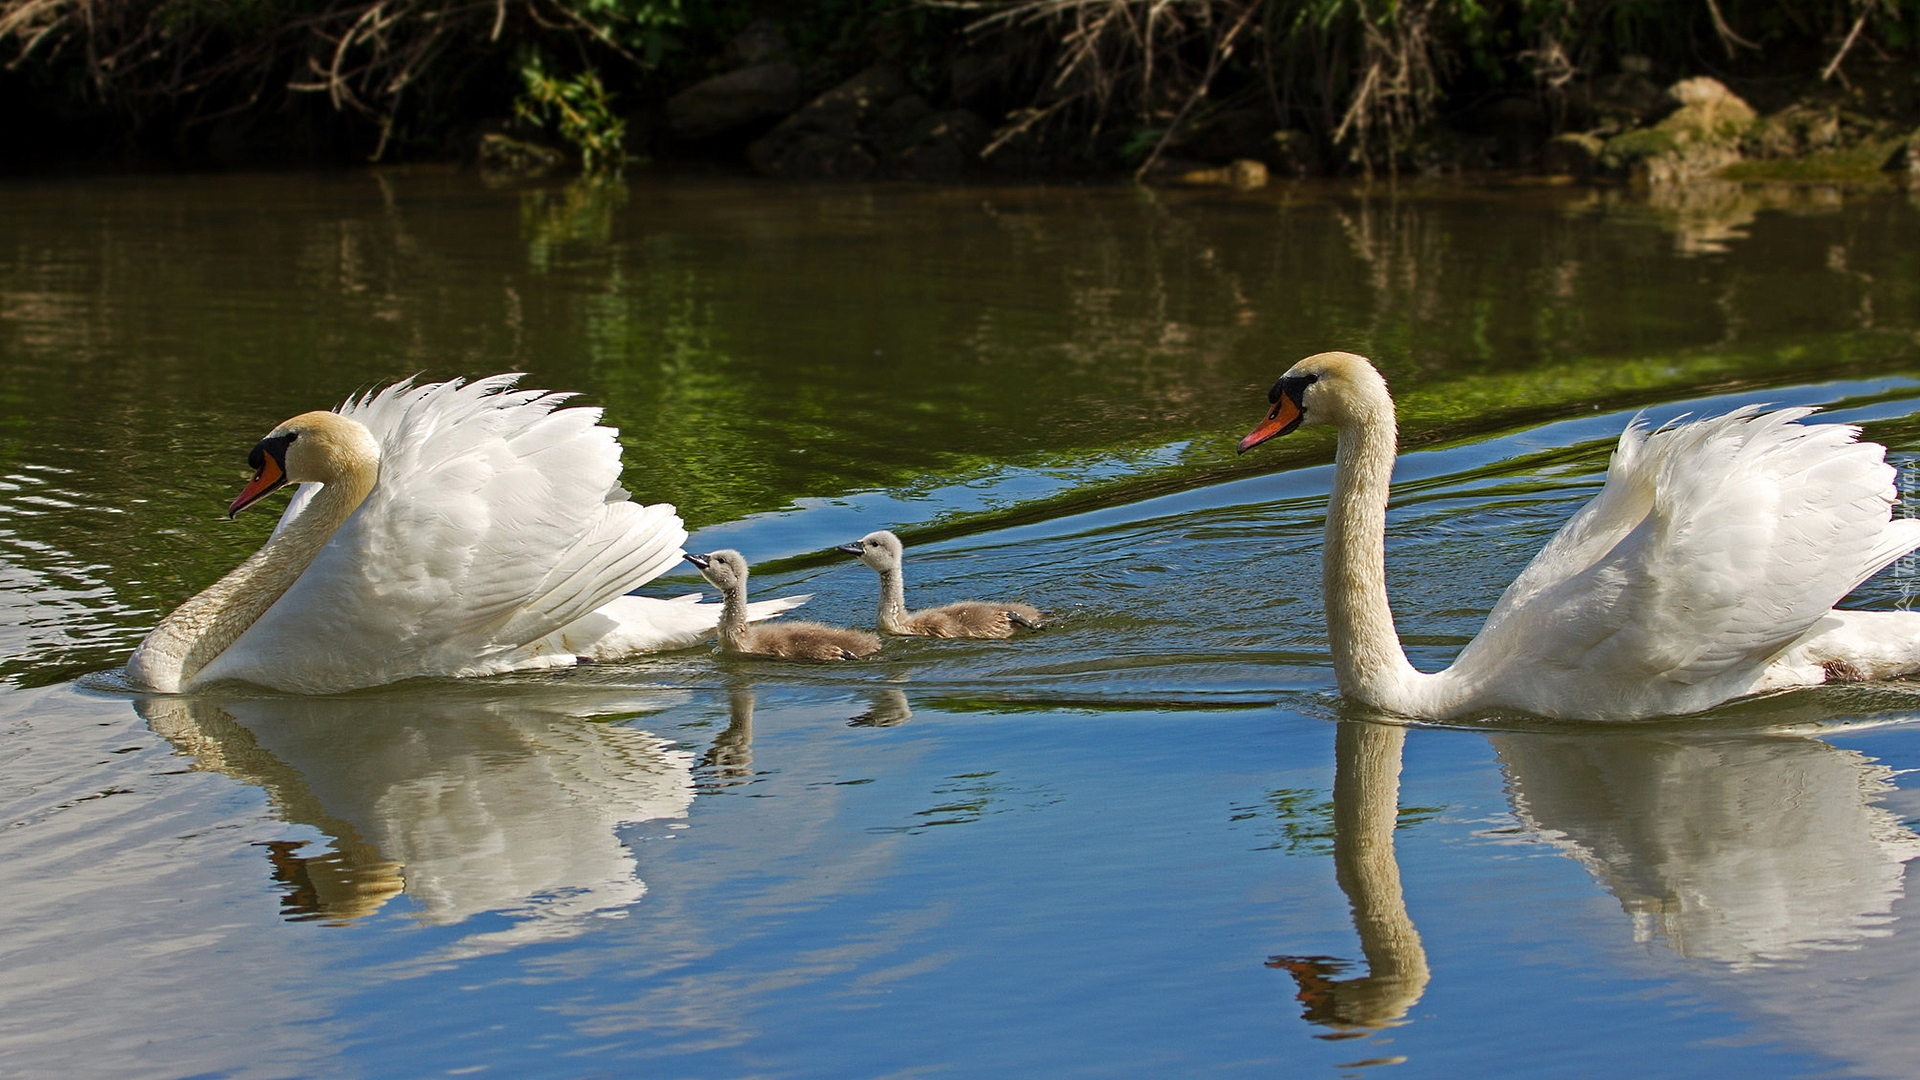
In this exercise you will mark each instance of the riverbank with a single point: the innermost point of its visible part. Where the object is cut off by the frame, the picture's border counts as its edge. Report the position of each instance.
(1201, 91)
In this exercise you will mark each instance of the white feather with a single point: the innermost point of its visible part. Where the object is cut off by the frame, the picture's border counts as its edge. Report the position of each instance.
(496, 534)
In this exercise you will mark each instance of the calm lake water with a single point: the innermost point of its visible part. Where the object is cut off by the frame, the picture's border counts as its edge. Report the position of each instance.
(1148, 841)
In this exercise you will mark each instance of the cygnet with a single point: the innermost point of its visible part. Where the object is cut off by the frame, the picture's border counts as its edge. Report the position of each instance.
(967, 619)
(797, 640)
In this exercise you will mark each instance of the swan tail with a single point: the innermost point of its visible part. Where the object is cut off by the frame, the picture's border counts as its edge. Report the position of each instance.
(631, 626)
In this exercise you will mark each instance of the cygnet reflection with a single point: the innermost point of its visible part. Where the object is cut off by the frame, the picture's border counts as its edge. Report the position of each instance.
(466, 802)
(890, 709)
(1742, 849)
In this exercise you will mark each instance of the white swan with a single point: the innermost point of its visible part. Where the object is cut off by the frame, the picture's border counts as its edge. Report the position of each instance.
(1707, 568)
(446, 529)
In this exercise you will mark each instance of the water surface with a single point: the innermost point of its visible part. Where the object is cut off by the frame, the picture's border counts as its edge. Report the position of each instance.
(1149, 840)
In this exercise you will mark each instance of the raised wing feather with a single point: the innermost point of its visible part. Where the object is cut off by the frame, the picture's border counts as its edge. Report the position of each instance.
(497, 518)
(1712, 547)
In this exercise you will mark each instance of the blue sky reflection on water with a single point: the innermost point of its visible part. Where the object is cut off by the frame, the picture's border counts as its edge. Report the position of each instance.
(1147, 841)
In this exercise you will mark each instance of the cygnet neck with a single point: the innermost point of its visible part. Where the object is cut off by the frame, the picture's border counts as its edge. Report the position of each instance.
(734, 633)
(893, 600)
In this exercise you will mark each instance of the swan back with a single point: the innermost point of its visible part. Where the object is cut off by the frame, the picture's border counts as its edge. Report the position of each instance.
(1712, 547)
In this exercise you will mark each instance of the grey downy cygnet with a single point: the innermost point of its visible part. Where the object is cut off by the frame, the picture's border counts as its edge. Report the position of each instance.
(796, 640)
(967, 619)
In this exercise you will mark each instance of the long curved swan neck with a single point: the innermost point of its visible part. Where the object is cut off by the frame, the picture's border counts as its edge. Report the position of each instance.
(1367, 657)
(893, 600)
(203, 627)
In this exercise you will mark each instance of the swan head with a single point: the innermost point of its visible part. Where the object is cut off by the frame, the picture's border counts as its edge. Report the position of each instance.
(1335, 388)
(881, 550)
(314, 447)
(726, 568)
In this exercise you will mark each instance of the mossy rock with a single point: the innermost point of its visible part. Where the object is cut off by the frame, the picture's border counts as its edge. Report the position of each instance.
(1699, 139)
(1632, 146)
(1862, 162)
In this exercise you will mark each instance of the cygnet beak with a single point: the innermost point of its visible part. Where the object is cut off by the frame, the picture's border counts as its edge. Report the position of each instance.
(700, 561)
(851, 549)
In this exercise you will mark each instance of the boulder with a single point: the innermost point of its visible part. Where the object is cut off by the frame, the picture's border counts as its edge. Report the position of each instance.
(1795, 130)
(942, 146)
(734, 100)
(1698, 139)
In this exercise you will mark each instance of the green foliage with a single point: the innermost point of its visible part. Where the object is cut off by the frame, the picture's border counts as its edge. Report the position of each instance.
(579, 110)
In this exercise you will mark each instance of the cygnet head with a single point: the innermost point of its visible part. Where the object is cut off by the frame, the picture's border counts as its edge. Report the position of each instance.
(314, 447)
(726, 568)
(881, 550)
(1335, 388)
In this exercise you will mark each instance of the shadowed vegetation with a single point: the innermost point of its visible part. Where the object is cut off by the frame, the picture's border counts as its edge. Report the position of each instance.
(1100, 83)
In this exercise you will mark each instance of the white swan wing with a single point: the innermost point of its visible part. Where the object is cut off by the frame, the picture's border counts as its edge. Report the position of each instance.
(497, 519)
(1712, 547)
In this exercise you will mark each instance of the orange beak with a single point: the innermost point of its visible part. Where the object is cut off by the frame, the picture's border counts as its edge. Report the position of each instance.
(264, 483)
(1284, 418)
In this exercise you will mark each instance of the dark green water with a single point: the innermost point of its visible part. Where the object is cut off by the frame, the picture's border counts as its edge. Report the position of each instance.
(1148, 841)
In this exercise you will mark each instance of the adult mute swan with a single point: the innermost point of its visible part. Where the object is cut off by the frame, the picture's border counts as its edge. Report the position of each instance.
(444, 529)
(794, 640)
(883, 552)
(1707, 567)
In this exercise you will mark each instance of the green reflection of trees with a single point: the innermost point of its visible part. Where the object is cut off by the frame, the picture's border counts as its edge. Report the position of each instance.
(763, 345)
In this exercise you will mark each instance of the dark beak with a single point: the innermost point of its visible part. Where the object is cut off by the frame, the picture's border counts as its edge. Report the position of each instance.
(851, 549)
(700, 561)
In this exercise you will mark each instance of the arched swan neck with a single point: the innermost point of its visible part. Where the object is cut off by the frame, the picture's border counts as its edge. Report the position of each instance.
(1367, 657)
(203, 627)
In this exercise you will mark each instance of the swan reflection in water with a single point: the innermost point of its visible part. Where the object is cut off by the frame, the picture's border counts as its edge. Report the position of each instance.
(1753, 851)
(1366, 806)
(1748, 850)
(466, 802)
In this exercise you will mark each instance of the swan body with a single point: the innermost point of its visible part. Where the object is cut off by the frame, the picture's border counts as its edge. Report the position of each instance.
(792, 640)
(883, 552)
(1707, 568)
(447, 529)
